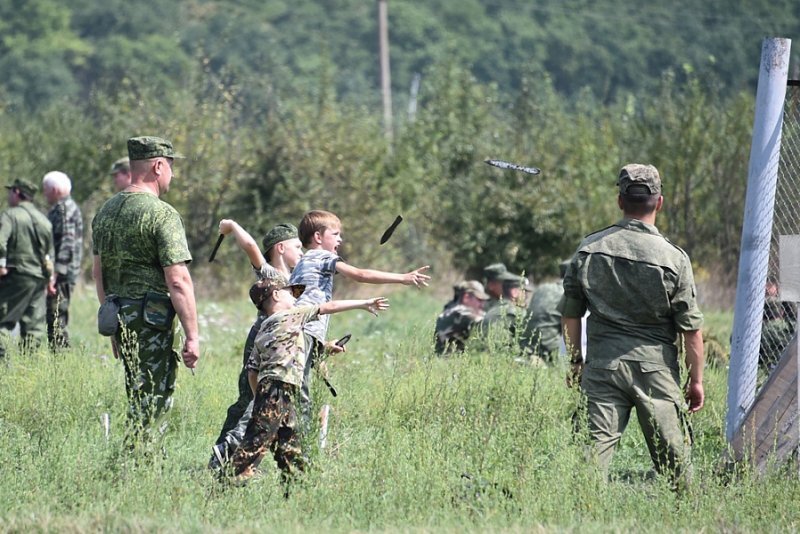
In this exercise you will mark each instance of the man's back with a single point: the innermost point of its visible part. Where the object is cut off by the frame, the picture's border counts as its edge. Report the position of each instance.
(27, 239)
(65, 217)
(136, 235)
(639, 288)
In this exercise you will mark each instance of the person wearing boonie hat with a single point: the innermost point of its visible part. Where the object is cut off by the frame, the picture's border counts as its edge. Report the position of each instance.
(140, 262)
(455, 323)
(282, 250)
(275, 371)
(640, 290)
(121, 172)
(26, 268)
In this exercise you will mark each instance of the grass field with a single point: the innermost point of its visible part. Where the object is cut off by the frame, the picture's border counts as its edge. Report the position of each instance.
(404, 429)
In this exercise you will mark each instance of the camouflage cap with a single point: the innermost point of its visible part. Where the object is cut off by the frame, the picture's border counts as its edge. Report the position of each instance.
(278, 233)
(148, 147)
(638, 174)
(121, 165)
(474, 288)
(264, 288)
(513, 280)
(494, 271)
(24, 186)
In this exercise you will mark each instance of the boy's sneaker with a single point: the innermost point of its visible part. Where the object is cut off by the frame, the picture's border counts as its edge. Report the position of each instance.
(219, 457)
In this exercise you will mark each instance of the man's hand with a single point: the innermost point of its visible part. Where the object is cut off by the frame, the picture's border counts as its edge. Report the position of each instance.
(3, 271)
(51, 288)
(417, 277)
(332, 348)
(191, 353)
(695, 396)
(226, 226)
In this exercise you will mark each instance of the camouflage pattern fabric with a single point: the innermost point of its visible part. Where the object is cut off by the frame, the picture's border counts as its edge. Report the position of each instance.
(67, 222)
(280, 347)
(136, 235)
(502, 321)
(58, 315)
(22, 301)
(150, 366)
(490, 304)
(453, 327)
(640, 290)
(26, 239)
(273, 428)
(542, 334)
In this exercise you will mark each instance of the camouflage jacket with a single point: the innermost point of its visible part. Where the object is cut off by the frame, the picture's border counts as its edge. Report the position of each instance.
(640, 290)
(543, 329)
(453, 327)
(136, 235)
(65, 216)
(280, 350)
(26, 241)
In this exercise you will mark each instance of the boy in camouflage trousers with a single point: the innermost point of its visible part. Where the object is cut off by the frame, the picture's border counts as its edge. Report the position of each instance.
(277, 364)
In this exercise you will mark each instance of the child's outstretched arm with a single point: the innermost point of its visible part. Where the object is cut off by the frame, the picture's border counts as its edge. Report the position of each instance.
(244, 240)
(417, 277)
(373, 305)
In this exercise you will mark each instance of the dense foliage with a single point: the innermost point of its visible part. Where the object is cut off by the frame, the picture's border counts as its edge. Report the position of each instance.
(276, 104)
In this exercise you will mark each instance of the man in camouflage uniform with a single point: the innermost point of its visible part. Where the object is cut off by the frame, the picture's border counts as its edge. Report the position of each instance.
(140, 258)
(494, 284)
(640, 290)
(121, 172)
(26, 249)
(455, 323)
(503, 320)
(67, 222)
(542, 335)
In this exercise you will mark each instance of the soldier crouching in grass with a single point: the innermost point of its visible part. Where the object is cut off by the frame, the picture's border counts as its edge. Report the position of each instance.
(275, 371)
(460, 316)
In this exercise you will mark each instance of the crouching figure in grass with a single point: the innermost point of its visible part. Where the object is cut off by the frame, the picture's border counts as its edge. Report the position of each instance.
(275, 371)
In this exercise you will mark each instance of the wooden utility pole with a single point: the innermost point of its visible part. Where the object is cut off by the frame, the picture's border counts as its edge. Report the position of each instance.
(386, 77)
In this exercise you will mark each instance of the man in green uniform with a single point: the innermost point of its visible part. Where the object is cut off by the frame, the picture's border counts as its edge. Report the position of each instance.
(640, 290)
(140, 260)
(455, 323)
(542, 335)
(67, 222)
(494, 284)
(504, 319)
(121, 172)
(26, 249)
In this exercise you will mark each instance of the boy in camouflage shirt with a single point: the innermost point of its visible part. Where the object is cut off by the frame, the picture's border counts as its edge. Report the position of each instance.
(276, 369)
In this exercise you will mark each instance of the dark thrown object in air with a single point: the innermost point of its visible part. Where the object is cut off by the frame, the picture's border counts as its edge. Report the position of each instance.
(389, 231)
(500, 164)
(216, 248)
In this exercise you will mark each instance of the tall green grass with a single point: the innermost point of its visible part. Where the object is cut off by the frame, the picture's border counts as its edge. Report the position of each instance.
(406, 431)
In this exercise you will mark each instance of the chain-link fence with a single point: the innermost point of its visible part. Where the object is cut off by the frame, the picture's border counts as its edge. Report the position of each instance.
(780, 318)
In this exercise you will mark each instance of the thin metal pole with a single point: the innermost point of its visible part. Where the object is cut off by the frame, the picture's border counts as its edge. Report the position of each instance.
(386, 76)
(757, 230)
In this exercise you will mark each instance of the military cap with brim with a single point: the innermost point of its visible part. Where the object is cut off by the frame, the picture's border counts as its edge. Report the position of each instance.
(475, 288)
(279, 233)
(24, 186)
(264, 288)
(149, 147)
(513, 280)
(636, 174)
(122, 164)
(494, 271)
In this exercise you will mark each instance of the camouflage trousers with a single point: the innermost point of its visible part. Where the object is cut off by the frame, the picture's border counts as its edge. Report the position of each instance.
(614, 389)
(58, 315)
(150, 366)
(273, 428)
(22, 300)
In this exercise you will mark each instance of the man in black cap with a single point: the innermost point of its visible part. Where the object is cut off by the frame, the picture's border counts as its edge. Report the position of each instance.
(140, 262)
(26, 249)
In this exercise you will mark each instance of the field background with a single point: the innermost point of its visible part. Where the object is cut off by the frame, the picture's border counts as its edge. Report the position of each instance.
(405, 427)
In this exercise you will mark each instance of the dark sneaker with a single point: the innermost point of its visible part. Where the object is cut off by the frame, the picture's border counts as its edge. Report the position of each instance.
(219, 457)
